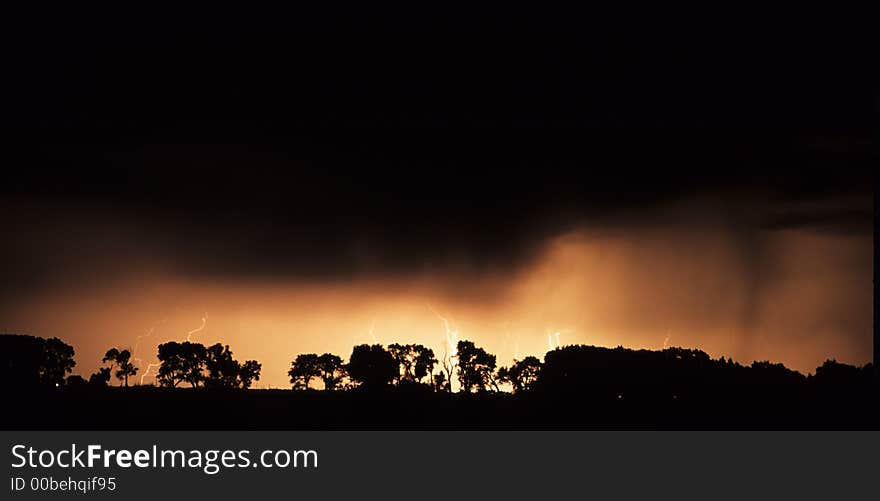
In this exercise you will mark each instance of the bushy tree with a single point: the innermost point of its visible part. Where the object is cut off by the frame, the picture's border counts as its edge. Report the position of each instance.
(57, 361)
(122, 361)
(401, 355)
(766, 372)
(28, 361)
(424, 362)
(332, 370)
(248, 373)
(303, 370)
(833, 372)
(222, 369)
(522, 374)
(372, 366)
(100, 378)
(181, 363)
(476, 367)
(414, 361)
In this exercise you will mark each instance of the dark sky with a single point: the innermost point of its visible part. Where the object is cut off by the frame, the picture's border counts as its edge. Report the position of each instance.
(412, 132)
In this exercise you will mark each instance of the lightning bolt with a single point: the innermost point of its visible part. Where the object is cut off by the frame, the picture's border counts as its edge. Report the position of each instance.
(451, 342)
(149, 333)
(147, 371)
(134, 351)
(553, 338)
(451, 333)
(201, 327)
(137, 341)
(372, 328)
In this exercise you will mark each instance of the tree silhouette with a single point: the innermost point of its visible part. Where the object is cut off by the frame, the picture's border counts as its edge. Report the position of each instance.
(57, 361)
(414, 361)
(833, 372)
(504, 376)
(402, 355)
(449, 364)
(223, 371)
(332, 370)
(574, 386)
(424, 363)
(122, 360)
(372, 366)
(769, 373)
(439, 382)
(522, 374)
(111, 356)
(248, 373)
(476, 368)
(181, 362)
(28, 361)
(222, 368)
(100, 378)
(303, 370)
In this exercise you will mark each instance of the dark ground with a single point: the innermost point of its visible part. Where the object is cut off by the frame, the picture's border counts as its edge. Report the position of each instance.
(729, 408)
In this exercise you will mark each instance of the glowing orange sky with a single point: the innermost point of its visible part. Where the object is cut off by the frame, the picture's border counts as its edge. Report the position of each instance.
(613, 288)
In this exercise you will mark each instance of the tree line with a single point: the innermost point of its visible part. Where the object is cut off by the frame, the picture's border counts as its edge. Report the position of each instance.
(569, 368)
(374, 366)
(28, 361)
(187, 362)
